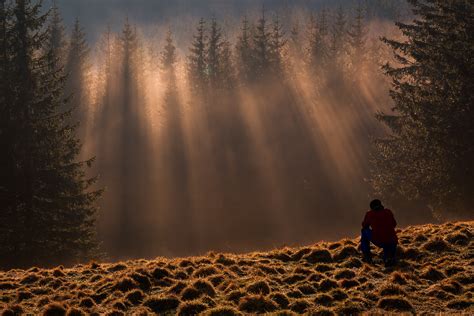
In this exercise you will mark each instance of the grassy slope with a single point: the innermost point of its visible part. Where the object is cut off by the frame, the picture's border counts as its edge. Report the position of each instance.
(435, 274)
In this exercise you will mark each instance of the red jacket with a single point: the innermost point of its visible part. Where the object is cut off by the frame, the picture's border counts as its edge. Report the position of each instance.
(383, 226)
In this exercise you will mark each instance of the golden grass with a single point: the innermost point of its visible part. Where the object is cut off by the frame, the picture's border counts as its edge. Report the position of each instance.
(435, 275)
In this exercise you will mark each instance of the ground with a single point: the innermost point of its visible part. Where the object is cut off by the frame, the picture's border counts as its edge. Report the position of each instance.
(435, 274)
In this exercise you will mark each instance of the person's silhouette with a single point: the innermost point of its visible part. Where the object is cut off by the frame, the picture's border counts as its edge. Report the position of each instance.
(378, 228)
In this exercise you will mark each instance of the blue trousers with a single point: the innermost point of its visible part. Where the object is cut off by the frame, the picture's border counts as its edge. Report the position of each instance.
(389, 249)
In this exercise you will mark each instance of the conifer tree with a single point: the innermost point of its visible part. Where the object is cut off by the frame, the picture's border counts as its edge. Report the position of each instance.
(77, 68)
(318, 50)
(429, 152)
(277, 45)
(220, 71)
(213, 53)
(338, 37)
(227, 70)
(50, 214)
(56, 38)
(7, 195)
(262, 48)
(197, 64)
(168, 57)
(296, 46)
(357, 39)
(244, 52)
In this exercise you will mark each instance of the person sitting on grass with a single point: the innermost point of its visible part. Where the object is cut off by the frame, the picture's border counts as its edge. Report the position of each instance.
(378, 228)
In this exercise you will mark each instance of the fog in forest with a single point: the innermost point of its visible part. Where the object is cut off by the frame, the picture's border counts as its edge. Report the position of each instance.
(247, 148)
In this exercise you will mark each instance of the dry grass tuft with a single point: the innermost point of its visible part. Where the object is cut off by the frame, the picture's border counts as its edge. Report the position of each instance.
(323, 268)
(324, 299)
(257, 304)
(432, 274)
(350, 308)
(225, 260)
(321, 311)
(259, 287)
(300, 254)
(395, 304)
(307, 289)
(392, 290)
(135, 297)
(142, 280)
(398, 278)
(345, 274)
(117, 267)
(347, 284)
(437, 245)
(190, 293)
(411, 254)
(125, 285)
(205, 272)
(54, 309)
(30, 279)
(235, 296)
(458, 239)
(352, 263)
(318, 256)
(75, 312)
(205, 287)
(160, 304)
(281, 299)
(160, 273)
(326, 285)
(14, 310)
(86, 302)
(223, 311)
(346, 252)
(300, 306)
(462, 304)
(191, 308)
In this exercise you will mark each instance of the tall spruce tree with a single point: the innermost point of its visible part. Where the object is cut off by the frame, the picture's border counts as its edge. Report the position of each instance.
(227, 70)
(277, 45)
(357, 40)
(318, 47)
(77, 68)
(220, 72)
(7, 124)
(197, 59)
(168, 56)
(262, 48)
(56, 39)
(244, 52)
(428, 155)
(338, 47)
(295, 40)
(213, 53)
(48, 216)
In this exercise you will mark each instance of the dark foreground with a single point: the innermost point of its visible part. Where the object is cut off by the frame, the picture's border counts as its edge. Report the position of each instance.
(435, 274)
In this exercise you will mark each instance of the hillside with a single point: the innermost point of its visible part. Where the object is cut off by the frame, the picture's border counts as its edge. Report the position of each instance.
(435, 274)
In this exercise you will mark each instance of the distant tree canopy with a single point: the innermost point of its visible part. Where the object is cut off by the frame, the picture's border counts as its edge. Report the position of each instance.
(47, 205)
(429, 154)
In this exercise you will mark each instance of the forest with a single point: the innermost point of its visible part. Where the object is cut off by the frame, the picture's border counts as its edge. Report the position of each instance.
(269, 127)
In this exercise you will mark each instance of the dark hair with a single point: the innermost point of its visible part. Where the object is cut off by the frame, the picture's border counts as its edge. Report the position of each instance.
(376, 205)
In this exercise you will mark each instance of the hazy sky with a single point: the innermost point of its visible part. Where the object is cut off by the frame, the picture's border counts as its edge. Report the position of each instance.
(96, 14)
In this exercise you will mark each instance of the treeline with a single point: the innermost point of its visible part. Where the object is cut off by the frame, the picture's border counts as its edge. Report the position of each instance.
(241, 157)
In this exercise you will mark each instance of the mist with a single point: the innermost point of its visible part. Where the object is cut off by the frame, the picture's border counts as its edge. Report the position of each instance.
(229, 163)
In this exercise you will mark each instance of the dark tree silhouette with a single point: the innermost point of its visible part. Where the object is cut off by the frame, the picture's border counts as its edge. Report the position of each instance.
(197, 59)
(48, 215)
(429, 152)
(77, 68)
